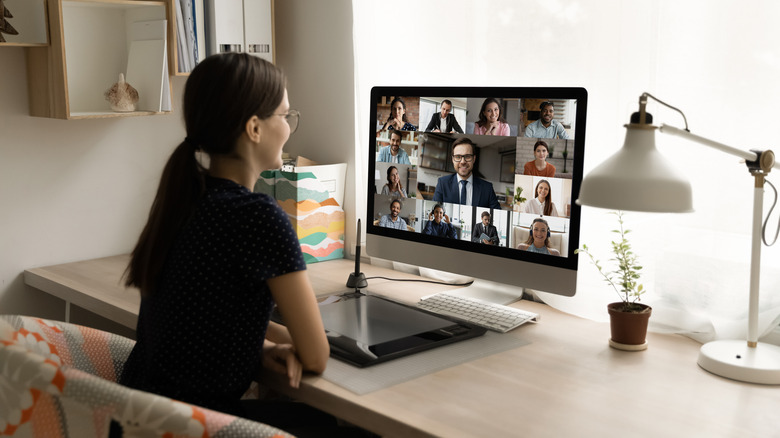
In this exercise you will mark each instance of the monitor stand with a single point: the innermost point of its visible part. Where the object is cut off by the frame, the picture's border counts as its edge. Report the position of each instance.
(499, 293)
(491, 291)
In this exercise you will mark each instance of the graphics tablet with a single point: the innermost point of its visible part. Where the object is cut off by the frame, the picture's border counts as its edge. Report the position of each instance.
(365, 330)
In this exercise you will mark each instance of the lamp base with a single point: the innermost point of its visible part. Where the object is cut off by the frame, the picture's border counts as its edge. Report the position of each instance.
(735, 360)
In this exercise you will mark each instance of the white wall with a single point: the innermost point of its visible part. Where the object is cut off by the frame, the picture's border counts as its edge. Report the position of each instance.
(70, 190)
(314, 48)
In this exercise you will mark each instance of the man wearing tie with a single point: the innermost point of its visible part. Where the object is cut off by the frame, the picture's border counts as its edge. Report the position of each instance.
(444, 121)
(463, 187)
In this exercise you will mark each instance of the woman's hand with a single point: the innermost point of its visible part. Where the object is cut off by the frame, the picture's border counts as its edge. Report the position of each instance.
(281, 358)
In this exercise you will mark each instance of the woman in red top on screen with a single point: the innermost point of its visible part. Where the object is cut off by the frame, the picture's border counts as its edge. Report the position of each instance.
(539, 165)
(491, 120)
(539, 239)
(542, 204)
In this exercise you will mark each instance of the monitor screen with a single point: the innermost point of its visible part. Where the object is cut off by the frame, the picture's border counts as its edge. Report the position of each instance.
(478, 181)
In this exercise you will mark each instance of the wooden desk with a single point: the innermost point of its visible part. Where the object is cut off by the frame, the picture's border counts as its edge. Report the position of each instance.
(566, 383)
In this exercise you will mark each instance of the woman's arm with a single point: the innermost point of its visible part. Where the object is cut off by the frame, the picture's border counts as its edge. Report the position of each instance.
(298, 306)
(278, 334)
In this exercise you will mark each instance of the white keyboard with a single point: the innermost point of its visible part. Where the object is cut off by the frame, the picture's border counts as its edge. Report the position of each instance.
(478, 312)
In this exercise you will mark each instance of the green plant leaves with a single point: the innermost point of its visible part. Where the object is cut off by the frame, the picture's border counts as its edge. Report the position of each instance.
(624, 279)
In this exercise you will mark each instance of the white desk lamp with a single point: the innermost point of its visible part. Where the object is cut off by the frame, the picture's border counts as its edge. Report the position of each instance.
(639, 178)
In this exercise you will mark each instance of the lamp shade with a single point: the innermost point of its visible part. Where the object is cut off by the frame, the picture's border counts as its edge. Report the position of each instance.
(637, 178)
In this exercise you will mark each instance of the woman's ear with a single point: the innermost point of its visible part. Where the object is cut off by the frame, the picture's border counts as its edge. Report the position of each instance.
(252, 129)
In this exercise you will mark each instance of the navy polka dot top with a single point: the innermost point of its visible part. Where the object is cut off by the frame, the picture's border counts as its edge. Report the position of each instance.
(200, 335)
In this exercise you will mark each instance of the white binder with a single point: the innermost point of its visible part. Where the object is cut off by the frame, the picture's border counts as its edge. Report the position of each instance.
(240, 26)
(258, 29)
(225, 26)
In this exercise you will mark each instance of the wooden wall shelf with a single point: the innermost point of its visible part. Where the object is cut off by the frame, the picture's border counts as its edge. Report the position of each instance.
(89, 48)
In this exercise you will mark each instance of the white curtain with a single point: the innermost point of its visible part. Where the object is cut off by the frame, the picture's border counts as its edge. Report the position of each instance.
(718, 61)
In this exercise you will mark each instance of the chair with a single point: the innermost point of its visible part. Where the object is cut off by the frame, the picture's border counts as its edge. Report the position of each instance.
(59, 380)
(559, 241)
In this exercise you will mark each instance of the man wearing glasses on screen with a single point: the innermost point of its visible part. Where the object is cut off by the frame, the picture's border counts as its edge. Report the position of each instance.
(463, 187)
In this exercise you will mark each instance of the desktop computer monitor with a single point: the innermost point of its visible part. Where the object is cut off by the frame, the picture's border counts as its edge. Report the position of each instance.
(521, 150)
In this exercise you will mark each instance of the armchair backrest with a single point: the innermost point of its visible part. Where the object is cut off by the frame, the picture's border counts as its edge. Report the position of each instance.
(59, 380)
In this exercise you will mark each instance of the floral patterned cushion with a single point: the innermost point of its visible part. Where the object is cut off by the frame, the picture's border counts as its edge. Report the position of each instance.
(59, 380)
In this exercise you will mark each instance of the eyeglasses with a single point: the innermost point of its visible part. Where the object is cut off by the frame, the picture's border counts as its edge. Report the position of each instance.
(468, 157)
(292, 117)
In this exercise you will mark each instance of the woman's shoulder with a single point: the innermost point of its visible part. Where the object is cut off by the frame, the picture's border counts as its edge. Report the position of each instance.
(241, 202)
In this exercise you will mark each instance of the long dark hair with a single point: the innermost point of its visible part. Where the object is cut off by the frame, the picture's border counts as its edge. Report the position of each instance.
(547, 200)
(392, 107)
(482, 119)
(389, 172)
(222, 93)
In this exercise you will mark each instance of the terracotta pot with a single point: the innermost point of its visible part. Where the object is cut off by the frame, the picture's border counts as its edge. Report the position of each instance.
(628, 329)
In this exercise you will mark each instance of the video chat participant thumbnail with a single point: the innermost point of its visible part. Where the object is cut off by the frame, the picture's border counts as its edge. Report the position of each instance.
(444, 121)
(484, 232)
(463, 187)
(439, 224)
(546, 126)
(393, 153)
(397, 118)
(539, 165)
(393, 220)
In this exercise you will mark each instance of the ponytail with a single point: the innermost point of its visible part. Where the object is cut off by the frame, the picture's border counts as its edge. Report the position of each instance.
(181, 185)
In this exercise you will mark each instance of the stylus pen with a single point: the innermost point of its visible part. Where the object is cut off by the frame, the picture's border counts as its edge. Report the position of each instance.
(357, 249)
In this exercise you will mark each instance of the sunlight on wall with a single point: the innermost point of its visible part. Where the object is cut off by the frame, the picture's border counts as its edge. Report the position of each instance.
(719, 68)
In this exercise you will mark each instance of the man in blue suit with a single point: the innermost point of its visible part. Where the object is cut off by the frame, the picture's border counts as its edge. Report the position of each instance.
(463, 187)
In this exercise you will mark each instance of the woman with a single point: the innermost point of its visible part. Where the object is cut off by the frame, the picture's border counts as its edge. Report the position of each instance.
(491, 121)
(539, 165)
(397, 118)
(539, 239)
(214, 257)
(542, 203)
(393, 186)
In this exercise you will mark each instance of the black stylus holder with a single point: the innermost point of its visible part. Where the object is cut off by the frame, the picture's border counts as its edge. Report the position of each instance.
(357, 281)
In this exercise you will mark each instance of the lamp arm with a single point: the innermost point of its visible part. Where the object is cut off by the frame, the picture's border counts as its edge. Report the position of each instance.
(745, 155)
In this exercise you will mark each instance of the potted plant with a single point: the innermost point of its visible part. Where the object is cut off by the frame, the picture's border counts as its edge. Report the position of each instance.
(628, 317)
(517, 198)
